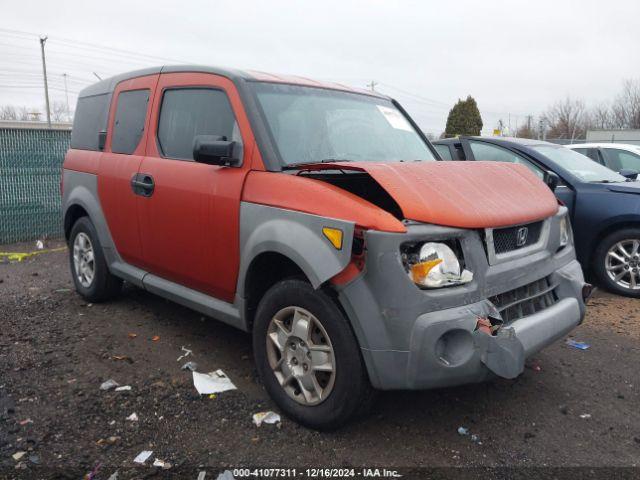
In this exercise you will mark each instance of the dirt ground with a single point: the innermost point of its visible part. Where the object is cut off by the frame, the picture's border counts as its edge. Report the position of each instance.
(570, 408)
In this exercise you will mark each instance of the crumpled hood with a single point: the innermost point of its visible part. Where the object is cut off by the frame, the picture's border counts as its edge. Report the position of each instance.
(460, 194)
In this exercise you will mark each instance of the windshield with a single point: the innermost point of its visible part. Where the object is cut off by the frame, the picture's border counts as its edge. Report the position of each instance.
(579, 165)
(311, 125)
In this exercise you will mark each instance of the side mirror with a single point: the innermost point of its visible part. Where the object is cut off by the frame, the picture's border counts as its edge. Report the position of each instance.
(215, 150)
(102, 139)
(552, 180)
(628, 173)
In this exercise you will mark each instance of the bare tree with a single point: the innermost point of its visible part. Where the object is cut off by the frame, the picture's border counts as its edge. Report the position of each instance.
(567, 119)
(600, 117)
(626, 107)
(59, 112)
(8, 112)
(23, 114)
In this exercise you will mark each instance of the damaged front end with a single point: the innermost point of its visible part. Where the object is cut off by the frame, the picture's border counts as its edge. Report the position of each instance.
(420, 335)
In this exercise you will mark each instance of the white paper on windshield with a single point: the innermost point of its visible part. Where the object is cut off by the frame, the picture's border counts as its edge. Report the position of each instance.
(395, 118)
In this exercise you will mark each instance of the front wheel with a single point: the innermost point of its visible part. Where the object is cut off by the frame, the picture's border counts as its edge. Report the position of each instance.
(307, 356)
(617, 262)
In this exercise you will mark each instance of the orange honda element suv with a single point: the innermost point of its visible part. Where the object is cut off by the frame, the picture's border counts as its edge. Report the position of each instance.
(316, 217)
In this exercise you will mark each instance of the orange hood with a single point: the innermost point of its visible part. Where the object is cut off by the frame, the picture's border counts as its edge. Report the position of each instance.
(460, 194)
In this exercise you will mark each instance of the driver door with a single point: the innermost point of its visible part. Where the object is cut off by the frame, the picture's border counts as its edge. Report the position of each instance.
(189, 212)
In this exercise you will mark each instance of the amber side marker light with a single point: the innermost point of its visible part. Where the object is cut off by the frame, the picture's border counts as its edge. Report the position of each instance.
(334, 235)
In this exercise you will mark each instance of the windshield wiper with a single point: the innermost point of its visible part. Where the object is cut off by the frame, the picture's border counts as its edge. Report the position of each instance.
(293, 166)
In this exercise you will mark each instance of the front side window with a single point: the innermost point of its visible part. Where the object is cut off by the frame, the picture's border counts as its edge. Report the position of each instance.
(490, 152)
(128, 126)
(618, 159)
(310, 125)
(592, 153)
(443, 151)
(578, 165)
(188, 112)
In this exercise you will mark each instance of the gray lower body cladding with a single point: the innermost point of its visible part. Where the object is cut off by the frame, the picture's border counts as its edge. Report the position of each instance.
(420, 339)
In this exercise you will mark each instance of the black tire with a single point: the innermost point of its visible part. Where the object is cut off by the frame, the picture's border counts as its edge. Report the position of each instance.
(104, 285)
(351, 388)
(600, 258)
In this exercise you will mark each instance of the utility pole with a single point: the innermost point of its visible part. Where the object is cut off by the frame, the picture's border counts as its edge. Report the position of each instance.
(46, 86)
(66, 94)
(372, 85)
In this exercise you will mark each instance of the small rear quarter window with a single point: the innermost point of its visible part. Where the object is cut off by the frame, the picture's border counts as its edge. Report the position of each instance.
(90, 119)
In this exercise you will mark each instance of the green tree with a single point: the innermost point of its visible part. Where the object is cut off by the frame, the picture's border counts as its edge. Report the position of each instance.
(464, 118)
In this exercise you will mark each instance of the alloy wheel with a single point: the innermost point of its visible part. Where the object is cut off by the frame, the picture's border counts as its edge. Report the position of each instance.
(301, 356)
(84, 260)
(622, 263)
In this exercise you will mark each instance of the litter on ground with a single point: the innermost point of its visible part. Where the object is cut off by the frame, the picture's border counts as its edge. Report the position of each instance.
(155, 338)
(124, 388)
(162, 464)
(463, 431)
(18, 455)
(143, 456)
(186, 351)
(585, 415)
(265, 417)
(201, 475)
(578, 345)
(133, 417)
(212, 382)
(191, 366)
(109, 384)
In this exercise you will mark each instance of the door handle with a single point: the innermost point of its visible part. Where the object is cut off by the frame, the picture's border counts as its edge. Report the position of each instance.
(142, 184)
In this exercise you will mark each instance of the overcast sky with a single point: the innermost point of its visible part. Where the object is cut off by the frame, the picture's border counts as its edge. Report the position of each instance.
(513, 57)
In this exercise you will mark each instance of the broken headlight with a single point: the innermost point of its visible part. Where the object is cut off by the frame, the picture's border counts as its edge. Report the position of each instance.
(435, 265)
(565, 231)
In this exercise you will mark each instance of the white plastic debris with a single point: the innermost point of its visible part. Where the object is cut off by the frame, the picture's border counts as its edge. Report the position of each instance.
(18, 455)
(212, 382)
(585, 415)
(463, 431)
(109, 384)
(133, 417)
(124, 388)
(143, 456)
(191, 366)
(226, 475)
(201, 475)
(186, 351)
(114, 476)
(162, 464)
(265, 417)
(39, 245)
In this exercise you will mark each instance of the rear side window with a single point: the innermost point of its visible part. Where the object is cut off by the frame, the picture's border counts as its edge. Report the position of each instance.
(128, 127)
(90, 119)
(186, 113)
(618, 159)
(443, 151)
(490, 152)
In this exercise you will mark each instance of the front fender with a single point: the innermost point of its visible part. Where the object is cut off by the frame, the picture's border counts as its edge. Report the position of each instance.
(296, 235)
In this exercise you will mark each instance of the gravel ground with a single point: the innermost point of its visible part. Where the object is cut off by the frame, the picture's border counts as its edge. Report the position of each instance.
(569, 408)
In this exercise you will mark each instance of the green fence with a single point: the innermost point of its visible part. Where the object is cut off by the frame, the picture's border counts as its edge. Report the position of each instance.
(30, 167)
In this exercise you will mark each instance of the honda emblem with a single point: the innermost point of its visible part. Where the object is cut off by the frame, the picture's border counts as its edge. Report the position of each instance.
(521, 236)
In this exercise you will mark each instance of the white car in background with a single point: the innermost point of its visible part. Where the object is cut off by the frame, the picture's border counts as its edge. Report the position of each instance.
(616, 156)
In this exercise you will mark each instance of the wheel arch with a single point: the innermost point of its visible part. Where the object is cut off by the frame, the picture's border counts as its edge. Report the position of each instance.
(265, 270)
(611, 227)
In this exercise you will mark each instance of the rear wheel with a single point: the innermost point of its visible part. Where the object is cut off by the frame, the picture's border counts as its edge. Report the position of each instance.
(617, 262)
(89, 269)
(307, 356)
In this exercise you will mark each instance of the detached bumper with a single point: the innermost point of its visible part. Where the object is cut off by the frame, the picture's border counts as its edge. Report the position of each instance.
(413, 339)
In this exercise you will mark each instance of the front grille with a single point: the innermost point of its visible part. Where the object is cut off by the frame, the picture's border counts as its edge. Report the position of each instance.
(506, 239)
(526, 300)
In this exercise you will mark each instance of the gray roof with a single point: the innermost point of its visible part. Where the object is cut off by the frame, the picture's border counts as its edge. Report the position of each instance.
(108, 85)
